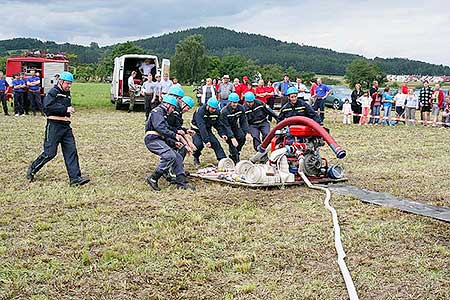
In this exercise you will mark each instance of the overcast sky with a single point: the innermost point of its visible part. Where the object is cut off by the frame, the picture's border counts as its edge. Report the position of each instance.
(406, 28)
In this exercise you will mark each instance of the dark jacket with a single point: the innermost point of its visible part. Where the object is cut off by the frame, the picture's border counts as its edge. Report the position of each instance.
(56, 102)
(258, 113)
(231, 120)
(175, 119)
(203, 121)
(355, 95)
(301, 108)
(157, 121)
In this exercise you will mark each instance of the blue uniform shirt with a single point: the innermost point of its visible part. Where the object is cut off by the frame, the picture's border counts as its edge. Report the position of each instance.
(3, 84)
(18, 82)
(322, 90)
(35, 87)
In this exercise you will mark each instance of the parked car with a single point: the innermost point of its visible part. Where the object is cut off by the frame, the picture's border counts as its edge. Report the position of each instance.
(337, 98)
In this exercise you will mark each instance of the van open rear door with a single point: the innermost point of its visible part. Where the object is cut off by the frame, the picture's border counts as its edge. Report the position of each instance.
(115, 84)
(165, 67)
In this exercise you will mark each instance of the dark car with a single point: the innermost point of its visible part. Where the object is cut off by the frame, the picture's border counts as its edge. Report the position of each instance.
(336, 99)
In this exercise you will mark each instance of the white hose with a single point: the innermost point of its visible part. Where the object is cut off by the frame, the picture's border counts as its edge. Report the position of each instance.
(337, 239)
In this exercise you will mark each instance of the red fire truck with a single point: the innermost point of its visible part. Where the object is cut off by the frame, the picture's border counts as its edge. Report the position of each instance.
(48, 65)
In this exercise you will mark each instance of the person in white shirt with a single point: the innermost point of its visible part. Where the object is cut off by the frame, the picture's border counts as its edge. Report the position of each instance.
(301, 89)
(157, 94)
(175, 82)
(132, 88)
(411, 106)
(148, 89)
(166, 84)
(365, 101)
(400, 100)
(347, 111)
(147, 67)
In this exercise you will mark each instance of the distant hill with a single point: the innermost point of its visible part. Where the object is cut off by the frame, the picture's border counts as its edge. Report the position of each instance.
(220, 41)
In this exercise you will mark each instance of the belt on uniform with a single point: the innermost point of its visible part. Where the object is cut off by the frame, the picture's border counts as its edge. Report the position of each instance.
(58, 118)
(152, 132)
(259, 121)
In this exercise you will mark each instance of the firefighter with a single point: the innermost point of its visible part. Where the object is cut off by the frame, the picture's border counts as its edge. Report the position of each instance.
(297, 107)
(3, 87)
(58, 109)
(160, 140)
(34, 92)
(257, 113)
(234, 126)
(19, 92)
(204, 119)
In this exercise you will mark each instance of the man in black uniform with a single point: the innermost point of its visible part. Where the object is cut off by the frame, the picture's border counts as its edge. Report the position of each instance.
(204, 119)
(233, 126)
(297, 107)
(58, 109)
(160, 140)
(257, 113)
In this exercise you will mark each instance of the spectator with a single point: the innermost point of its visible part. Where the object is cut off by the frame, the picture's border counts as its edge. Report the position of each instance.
(376, 103)
(166, 84)
(437, 101)
(148, 89)
(446, 112)
(19, 86)
(405, 89)
(356, 106)
(283, 87)
(312, 91)
(157, 92)
(365, 100)
(225, 89)
(261, 92)
(322, 92)
(215, 83)
(26, 103)
(347, 111)
(244, 88)
(270, 92)
(237, 85)
(301, 88)
(412, 104)
(387, 101)
(424, 101)
(132, 89)
(3, 87)
(399, 100)
(175, 82)
(208, 91)
(34, 92)
(147, 67)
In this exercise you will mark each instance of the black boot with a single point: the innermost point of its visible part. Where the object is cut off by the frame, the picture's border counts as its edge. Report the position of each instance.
(153, 180)
(30, 175)
(181, 181)
(79, 181)
(196, 161)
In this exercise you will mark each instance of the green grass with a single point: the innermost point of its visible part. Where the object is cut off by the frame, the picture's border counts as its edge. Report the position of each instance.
(117, 239)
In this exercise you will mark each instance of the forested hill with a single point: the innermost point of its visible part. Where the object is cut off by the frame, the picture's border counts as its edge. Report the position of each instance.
(220, 41)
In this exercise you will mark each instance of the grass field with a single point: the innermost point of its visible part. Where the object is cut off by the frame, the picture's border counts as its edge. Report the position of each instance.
(117, 239)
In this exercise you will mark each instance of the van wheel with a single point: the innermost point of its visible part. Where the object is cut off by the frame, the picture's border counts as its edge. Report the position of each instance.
(118, 105)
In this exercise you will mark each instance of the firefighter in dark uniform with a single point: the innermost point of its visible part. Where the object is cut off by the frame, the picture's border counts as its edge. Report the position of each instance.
(58, 109)
(160, 140)
(257, 113)
(297, 107)
(233, 126)
(204, 119)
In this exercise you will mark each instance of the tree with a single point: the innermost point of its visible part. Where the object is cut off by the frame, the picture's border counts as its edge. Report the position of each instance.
(214, 67)
(190, 61)
(106, 66)
(2, 63)
(239, 66)
(292, 72)
(364, 72)
(271, 72)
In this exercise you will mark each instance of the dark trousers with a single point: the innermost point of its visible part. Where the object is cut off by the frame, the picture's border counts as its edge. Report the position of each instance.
(26, 103)
(357, 110)
(169, 158)
(320, 105)
(215, 145)
(235, 151)
(258, 130)
(271, 104)
(147, 105)
(155, 103)
(18, 103)
(3, 99)
(59, 133)
(35, 99)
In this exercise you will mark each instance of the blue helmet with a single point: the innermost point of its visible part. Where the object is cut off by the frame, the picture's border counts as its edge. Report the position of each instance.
(249, 97)
(67, 76)
(188, 101)
(291, 90)
(233, 97)
(176, 91)
(213, 102)
(170, 99)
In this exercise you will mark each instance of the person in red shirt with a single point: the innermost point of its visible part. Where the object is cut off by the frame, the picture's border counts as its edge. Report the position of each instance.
(270, 96)
(436, 101)
(312, 91)
(261, 92)
(237, 86)
(243, 88)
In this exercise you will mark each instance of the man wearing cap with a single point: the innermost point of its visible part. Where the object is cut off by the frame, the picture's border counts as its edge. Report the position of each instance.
(160, 140)
(204, 119)
(322, 92)
(297, 107)
(34, 92)
(3, 87)
(58, 109)
(225, 89)
(233, 126)
(257, 112)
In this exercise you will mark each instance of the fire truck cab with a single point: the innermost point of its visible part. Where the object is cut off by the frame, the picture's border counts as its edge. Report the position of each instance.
(47, 66)
(123, 66)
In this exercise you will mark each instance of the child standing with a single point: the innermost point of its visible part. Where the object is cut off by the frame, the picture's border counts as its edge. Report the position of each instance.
(347, 111)
(365, 101)
(446, 112)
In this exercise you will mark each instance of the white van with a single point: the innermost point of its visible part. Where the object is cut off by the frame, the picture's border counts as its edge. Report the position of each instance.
(123, 66)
